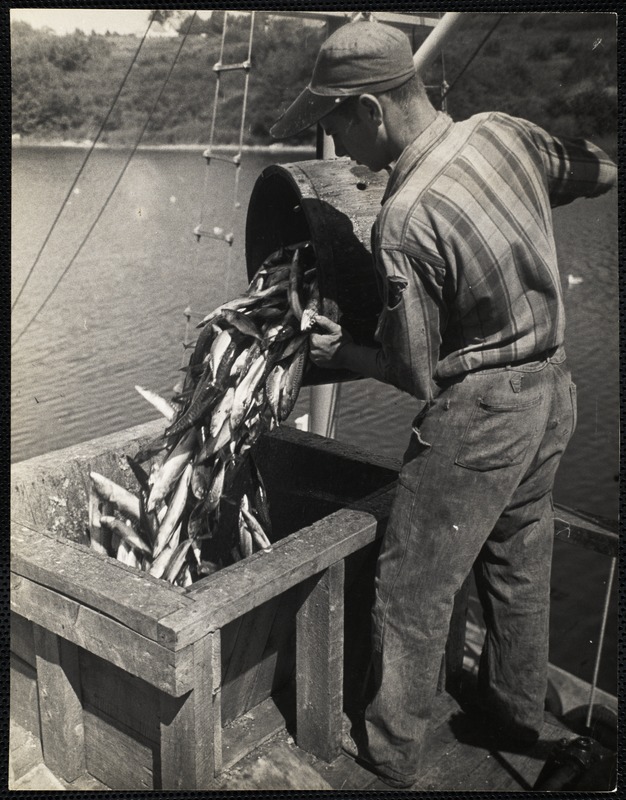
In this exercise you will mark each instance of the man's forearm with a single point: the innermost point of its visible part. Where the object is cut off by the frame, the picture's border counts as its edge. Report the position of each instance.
(365, 361)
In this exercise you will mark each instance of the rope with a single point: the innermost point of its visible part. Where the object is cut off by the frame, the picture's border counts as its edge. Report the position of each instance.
(82, 166)
(444, 82)
(596, 668)
(111, 193)
(244, 107)
(447, 90)
(213, 121)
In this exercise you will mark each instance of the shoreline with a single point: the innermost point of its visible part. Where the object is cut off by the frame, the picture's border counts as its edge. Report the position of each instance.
(85, 144)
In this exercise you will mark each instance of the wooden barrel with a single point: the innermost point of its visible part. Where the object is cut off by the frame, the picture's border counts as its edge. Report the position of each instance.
(333, 204)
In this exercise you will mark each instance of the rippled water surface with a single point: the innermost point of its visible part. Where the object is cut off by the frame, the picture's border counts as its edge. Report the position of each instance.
(117, 320)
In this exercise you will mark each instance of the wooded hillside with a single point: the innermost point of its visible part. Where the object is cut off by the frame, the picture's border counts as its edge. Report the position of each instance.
(556, 69)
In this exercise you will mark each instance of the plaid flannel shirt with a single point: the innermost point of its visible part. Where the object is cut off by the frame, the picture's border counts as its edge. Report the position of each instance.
(465, 251)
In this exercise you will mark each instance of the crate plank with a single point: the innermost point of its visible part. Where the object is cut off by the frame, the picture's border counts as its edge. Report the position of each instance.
(277, 664)
(24, 702)
(118, 757)
(230, 634)
(233, 591)
(191, 727)
(60, 704)
(119, 695)
(319, 664)
(238, 683)
(286, 440)
(22, 642)
(131, 597)
(102, 636)
(50, 491)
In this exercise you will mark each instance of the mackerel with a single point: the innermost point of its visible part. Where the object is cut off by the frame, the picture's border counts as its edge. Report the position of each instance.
(177, 561)
(292, 381)
(160, 403)
(218, 348)
(160, 563)
(174, 510)
(171, 469)
(273, 389)
(245, 391)
(215, 443)
(127, 502)
(217, 487)
(127, 533)
(258, 534)
(221, 411)
(242, 323)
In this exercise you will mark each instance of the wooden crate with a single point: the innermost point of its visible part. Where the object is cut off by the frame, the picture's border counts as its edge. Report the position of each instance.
(149, 686)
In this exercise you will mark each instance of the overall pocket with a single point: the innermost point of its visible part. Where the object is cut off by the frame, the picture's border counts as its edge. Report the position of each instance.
(498, 435)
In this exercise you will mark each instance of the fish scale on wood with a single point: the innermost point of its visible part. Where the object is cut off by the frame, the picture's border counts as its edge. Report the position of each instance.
(242, 379)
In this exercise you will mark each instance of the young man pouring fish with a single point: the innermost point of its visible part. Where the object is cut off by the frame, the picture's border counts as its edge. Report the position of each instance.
(473, 327)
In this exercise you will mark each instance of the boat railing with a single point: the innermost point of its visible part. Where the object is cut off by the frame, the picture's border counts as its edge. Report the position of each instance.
(601, 536)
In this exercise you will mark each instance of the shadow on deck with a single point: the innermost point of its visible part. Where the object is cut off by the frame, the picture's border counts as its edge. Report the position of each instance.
(455, 759)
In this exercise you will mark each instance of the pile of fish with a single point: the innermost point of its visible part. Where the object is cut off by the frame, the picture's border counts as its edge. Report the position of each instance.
(202, 504)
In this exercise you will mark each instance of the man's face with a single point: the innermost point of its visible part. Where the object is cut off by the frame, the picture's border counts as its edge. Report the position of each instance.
(354, 135)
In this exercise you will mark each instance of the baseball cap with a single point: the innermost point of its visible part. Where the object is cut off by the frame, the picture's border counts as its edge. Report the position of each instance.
(362, 56)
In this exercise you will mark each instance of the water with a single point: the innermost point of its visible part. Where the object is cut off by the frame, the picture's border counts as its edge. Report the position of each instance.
(116, 320)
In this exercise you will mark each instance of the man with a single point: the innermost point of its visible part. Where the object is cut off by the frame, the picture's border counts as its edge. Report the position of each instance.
(472, 325)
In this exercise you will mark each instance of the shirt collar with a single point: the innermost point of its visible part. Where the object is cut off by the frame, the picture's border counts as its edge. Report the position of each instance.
(415, 151)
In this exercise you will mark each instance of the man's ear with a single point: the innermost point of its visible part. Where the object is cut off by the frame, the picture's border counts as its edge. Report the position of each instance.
(369, 105)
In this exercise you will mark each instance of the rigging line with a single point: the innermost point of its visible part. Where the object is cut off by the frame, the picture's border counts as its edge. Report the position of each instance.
(82, 166)
(219, 79)
(214, 112)
(244, 107)
(115, 185)
(447, 91)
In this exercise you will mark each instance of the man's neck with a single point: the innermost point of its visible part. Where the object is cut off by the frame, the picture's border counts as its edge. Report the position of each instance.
(416, 123)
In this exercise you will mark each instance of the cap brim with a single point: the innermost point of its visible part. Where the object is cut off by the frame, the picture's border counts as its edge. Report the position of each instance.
(306, 110)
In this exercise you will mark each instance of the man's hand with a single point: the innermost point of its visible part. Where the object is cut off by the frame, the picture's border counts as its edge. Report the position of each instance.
(327, 342)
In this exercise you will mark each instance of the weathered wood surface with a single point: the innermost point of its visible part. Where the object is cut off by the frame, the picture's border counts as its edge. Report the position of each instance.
(277, 664)
(118, 695)
(23, 695)
(241, 672)
(83, 626)
(233, 591)
(256, 726)
(319, 663)
(22, 641)
(191, 726)
(51, 491)
(118, 757)
(133, 598)
(60, 704)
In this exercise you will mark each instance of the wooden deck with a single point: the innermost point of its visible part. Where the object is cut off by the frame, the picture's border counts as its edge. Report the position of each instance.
(455, 760)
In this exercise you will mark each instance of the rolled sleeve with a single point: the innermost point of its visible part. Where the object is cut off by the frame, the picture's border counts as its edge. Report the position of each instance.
(409, 325)
(573, 167)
